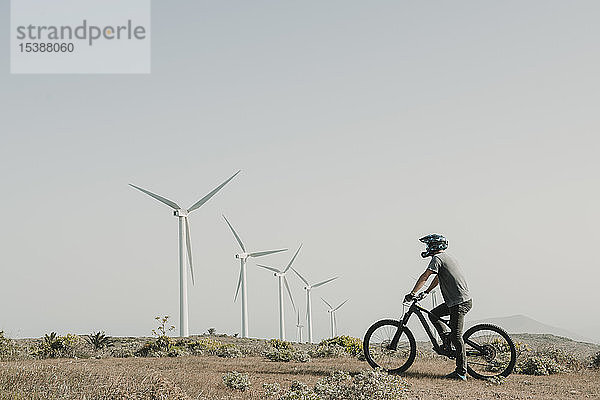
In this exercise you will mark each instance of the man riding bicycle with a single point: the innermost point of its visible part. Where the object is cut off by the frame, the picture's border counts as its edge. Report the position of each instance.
(457, 300)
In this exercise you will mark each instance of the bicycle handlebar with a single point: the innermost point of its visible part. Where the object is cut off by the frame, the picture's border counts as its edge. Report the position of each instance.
(416, 298)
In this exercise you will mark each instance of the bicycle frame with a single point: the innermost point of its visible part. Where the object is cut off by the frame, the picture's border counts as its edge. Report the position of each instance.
(415, 308)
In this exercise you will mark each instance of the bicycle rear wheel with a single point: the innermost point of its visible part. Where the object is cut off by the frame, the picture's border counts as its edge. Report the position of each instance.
(376, 347)
(490, 351)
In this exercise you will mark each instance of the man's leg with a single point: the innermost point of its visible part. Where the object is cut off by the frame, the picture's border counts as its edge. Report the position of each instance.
(440, 311)
(457, 320)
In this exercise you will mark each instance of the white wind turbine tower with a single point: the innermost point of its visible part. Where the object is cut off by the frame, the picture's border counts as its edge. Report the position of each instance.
(243, 257)
(308, 289)
(333, 321)
(282, 280)
(299, 327)
(184, 237)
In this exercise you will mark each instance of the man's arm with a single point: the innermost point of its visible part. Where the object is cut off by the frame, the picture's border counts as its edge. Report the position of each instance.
(421, 281)
(433, 284)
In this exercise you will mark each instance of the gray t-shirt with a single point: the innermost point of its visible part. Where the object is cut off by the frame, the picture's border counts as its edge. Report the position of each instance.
(452, 281)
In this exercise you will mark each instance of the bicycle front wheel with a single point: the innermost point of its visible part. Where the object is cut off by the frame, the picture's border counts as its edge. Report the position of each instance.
(490, 351)
(376, 347)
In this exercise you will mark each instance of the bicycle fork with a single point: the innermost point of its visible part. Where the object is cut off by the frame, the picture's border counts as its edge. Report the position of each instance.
(394, 343)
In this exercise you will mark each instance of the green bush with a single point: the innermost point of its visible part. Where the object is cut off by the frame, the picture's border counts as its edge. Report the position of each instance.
(236, 380)
(279, 355)
(211, 347)
(55, 346)
(338, 346)
(595, 360)
(547, 361)
(538, 365)
(229, 351)
(162, 344)
(99, 340)
(7, 348)
(282, 351)
(280, 344)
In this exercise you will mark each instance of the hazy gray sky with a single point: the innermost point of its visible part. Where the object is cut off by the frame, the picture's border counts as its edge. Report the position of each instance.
(358, 127)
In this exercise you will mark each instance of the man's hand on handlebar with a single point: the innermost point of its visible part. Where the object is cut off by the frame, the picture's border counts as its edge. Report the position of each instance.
(410, 297)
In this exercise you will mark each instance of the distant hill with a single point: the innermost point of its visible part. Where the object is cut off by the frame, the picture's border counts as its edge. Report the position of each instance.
(524, 324)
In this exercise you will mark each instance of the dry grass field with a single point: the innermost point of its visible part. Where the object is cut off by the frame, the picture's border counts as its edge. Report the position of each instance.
(200, 377)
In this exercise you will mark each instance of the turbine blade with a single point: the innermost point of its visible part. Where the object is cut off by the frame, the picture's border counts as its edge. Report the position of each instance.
(203, 200)
(163, 200)
(238, 286)
(324, 282)
(340, 306)
(300, 276)
(287, 286)
(298, 317)
(269, 268)
(265, 253)
(188, 243)
(328, 305)
(236, 235)
(292, 260)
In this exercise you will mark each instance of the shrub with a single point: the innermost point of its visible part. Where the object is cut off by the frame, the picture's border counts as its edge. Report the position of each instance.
(176, 351)
(272, 389)
(338, 346)
(7, 347)
(163, 342)
(122, 353)
(148, 349)
(299, 391)
(55, 346)
(301, 357)
(547, 361)
(282, 351)
(595, 360)
(212, 347)
(99, 340)
(279, 355)
(280, 344)
(377, 384)
(372, 385)
(229, 351)
(236, 380)
(538, 365)
(323, 351)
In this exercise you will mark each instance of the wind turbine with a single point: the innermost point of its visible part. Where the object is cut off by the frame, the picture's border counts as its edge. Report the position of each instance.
(331, 312)
(184, 236)
(283, 280)
(243, 257)
(308, 288)
(299, 327)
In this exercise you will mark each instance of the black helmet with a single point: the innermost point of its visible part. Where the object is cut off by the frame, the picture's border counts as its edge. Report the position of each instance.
(434, 243)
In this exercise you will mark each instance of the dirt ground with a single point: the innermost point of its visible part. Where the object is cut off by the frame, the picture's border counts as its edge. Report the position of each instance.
(201, 378)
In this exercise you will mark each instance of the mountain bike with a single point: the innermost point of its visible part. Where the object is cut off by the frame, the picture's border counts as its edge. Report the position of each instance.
(391, 346)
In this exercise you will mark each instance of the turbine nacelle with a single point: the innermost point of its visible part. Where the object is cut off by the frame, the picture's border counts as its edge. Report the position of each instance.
(180, 213)
(242, 256)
